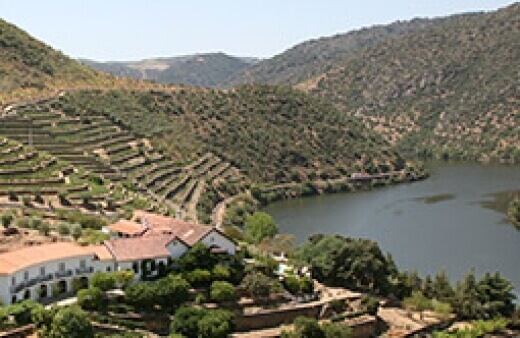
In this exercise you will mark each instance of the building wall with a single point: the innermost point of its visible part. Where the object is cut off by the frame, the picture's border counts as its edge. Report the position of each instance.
(51, 267)
(177, 248)
(216, 239)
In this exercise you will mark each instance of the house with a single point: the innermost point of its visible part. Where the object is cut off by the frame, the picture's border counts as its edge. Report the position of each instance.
(145, 247)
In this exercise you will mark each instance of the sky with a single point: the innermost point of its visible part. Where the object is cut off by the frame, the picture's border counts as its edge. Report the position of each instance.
(127, 30)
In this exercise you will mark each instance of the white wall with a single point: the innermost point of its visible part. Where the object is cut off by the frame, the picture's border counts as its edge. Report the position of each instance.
(50, 268)
(176, 248)
(216, 239)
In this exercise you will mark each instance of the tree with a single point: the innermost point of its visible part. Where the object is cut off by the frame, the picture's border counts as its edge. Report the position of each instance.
(307, 328)
(7, 219)
(76, 231)
(104, 281)
(222, 291)
(216, 324)
(221, 272)
(199, 277)
(71, 322)
(370, 304)
(198, 257)
(124, 278)
(63, 228)
(185, 321)
(259, 226)
(141, 295)
(257, 285)
(90, 299)
(171, 291)
(292, 284)
(441, 287)
(418, 302)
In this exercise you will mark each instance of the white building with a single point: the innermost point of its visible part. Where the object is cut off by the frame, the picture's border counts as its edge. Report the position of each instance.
(38, 272)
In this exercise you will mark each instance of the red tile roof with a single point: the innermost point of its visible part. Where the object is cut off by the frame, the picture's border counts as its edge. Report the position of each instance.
(127, 227)
(15, 260)
(189, 233)
(138, 248)
(101, 251)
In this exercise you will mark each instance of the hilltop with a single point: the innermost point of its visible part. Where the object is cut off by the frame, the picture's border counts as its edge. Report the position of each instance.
(316, 56)
(448, 91)
(205, 70)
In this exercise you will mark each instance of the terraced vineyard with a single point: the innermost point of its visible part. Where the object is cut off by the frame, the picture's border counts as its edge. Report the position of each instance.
(97, 146)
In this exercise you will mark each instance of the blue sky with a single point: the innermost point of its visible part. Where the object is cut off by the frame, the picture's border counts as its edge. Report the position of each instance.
(131, 29)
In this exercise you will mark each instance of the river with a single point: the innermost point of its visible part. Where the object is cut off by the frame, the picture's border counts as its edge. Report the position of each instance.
(449, 221)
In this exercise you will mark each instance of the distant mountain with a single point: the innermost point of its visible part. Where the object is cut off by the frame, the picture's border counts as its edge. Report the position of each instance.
(206, 70)
(447, 91)
(314, 57)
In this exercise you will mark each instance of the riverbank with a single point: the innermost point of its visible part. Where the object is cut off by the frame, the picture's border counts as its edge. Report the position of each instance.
(353, 183)
(440, 220)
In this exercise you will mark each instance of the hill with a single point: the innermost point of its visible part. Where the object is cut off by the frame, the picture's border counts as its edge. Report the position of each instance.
(30, 69)
(168, 148)
(314, 57)
(206, 70)
(447, 91)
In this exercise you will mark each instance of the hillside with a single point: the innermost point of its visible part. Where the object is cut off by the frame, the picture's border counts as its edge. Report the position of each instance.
(448, 91)
(30, 69)
(206, 70)
(314, 57)
(273, 134)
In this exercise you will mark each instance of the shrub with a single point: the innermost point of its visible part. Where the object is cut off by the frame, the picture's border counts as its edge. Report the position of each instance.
(222, 291)
(64, 229)
(90, 299)
(199, 277)
(292, 284)
(103, 281)
(221, 272)
(7, 219)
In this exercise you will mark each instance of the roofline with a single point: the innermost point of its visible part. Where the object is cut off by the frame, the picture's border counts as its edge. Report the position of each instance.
(2, 273)
(220, 233)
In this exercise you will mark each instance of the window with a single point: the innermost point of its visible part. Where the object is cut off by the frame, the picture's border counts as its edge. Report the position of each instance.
(212, 239)
(135, 267)
(82, 263)
(62, 267)
(108, 269)
(153, 265)
(42, 270)
(13, 280)
(26, 275)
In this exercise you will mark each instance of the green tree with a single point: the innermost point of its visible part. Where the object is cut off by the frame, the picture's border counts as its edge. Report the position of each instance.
(141, 295)
(185, 321)
(221, 291)
(442, 289)
(305, 328)
(63, 228)
(76, 231)
(259, 226)
(198, 257)
(171, 291)
(370, 304)
(418, 302)
(257, 285)
(199, 277)
(71, 322)
(221, 272)
(7, 219)
(104, 281)
(124, 278)
(90, 299)
(215, 324)
(292, 284)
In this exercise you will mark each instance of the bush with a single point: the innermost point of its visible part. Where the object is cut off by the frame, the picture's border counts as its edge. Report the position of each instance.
(221, 272)
(7, 219)
(292, 284)
(104, 281)
(90, 299)
(222, 291)
(64, 229)
(370, 304)
(199, 277)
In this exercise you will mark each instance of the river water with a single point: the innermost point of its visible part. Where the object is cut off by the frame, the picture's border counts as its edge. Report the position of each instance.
(449, 221)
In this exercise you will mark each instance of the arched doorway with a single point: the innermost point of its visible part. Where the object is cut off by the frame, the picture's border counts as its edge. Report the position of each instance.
(27, 294)
(14, 299)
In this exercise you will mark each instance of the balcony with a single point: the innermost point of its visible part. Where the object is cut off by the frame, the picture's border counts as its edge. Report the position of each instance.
(64, 273)
(47, 277)
(84, 270)
(17, 288)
